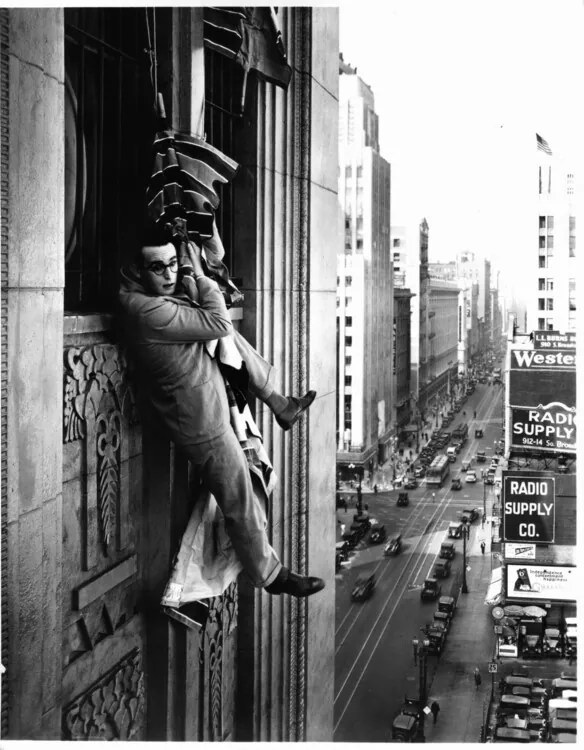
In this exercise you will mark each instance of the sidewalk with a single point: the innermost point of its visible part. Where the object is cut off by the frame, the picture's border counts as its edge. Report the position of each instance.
(470, 644)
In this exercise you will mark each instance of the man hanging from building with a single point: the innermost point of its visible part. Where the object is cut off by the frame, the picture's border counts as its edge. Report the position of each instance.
(177, 328)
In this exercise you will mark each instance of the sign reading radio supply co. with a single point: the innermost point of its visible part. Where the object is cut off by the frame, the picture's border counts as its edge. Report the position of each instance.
(529, 507)
(542, 397)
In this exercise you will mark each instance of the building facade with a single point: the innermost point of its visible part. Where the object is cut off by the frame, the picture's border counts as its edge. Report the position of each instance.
(365, 283)
(94, 500)
(402, 356)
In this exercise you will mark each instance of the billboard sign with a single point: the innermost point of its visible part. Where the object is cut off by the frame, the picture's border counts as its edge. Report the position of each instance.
(529, 507)
(542, 400)
(541, 582)
(520, 551)
(554, 340)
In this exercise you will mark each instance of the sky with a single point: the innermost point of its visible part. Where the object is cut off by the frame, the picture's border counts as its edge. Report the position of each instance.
(461, 88)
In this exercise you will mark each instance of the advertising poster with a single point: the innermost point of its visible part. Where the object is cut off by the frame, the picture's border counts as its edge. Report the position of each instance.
(529, 507)
(520, 551)
(542, 398)
(535, 582)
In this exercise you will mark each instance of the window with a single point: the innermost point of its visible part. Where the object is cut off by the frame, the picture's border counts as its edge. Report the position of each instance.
(550, 222)
(540, 180)
(542, 262)
(540, 324)
(348, 341)
(359, 244)
(348, 301)
(348, 360)
(572, 221)
(542, 222)
(550, 304)
(348, 380)
(541, 285)
(572, 246)
(572, 294)
(108, 140)
(348, 281)
(541, 303)
(348, 320)
(550, 326)
(348, 172)
(550, 285)
(397, 243)
(359, 171)
(550, 241)
(542, 243)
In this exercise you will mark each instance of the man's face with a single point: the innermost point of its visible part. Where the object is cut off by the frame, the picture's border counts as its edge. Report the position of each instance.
(159, 268)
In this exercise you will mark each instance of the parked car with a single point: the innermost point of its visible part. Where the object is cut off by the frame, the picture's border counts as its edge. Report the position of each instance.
(571, 637)
(437, 638)
(411, 483)
(431, 590)
(405, 724)
(490, 477)
(377, 533)
(442, 618)
(447, 604)
(553, 642)
(471, 476)
(363, 588)
(470, 515)
(456, 484)
(442, 569)
(447, 550)
(352, 538)
(393, 546)
(455, 529)
(481, 456)
(419, 472)
(532, 647)
(403, 499)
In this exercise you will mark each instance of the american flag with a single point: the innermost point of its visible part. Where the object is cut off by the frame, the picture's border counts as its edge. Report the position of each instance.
(543, 145)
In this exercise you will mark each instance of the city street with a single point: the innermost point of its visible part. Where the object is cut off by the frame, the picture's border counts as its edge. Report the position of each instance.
(374, 664)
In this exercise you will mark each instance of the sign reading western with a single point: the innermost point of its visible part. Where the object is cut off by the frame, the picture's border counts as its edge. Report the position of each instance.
(545, 582)
(529, 508)
(542, 399)
(551, 427)
(554, 340)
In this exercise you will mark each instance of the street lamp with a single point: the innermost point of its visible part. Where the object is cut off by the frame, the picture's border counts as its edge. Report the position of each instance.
(421, 649)
(359, 476)
(465, 536)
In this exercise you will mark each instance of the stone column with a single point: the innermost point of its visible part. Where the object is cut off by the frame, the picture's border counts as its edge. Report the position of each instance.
(35, 373)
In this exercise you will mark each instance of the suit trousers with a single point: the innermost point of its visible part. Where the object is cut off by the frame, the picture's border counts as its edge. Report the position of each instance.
(223, 469)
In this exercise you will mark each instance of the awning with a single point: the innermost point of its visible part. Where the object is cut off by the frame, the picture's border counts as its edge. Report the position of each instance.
(495, 590)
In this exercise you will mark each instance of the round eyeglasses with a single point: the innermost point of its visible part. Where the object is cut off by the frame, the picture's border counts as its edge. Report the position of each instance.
(158, 267)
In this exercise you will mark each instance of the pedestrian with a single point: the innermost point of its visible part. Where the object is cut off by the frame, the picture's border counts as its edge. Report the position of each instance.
(345, 506)
(175, 322)
(435, 708)
(433, 496)
(477, 677)
(375, 489)
(483, 547)
(475, 415)
(342, 529)
(411, 454)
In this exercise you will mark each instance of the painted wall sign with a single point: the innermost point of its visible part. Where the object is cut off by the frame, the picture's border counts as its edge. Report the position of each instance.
(554, 340)
(551, 427)
(520, 551)
(541, 582)
(529, 508)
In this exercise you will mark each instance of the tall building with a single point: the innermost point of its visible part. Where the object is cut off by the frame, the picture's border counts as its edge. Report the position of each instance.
(551, 304)
(402, 355)
(365, 282)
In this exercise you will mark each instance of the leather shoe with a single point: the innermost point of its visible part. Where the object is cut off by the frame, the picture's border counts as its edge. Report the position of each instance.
(294, 409)
(287, 582)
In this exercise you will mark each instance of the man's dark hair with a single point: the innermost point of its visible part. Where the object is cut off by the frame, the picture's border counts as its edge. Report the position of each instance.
(153, 235)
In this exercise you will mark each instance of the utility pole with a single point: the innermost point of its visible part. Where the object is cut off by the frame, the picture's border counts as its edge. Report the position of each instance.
(465, 535)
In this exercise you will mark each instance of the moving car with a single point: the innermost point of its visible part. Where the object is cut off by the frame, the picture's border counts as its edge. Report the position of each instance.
(431, 590)
(552, 642)
(403, 499)
(490, 477)
(479, 433)
(442, 569)
(470, 515)
(393, 546)
(410, 483)
(456, 484)
(471, 476)
(377, 533)
(447, 550)
(481, 456)
(466, 464)
(363, 587)
(419, 472)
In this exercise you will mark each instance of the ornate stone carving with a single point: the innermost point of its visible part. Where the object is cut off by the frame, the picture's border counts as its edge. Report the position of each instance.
(112, 709)
(98, 401)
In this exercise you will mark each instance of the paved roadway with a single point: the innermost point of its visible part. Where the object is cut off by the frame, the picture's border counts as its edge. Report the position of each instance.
(374, 664)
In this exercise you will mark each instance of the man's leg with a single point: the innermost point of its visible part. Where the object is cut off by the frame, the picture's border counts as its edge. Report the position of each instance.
(261, 385)
(224, 471)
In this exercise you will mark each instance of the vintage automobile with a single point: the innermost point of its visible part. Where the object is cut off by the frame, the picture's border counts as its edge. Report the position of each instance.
(403, 499)
(466, 464)
(481, 456)
(442, 569)
(447, 550)
(489, 477)
(410, 483)
(571, 637)
(447, 604)
(455, 529)
(470, 515)
(363, 587)
(419, 472)
(393, 546)
(456, 484)
(479, 433)
(405, 725)
(471, 476)
(532, 646)
(510, 734)
(437, 638)
(442, 619)
(553, 644)
(431, 590)
(352, 538)
(513, 705)
(377, 533)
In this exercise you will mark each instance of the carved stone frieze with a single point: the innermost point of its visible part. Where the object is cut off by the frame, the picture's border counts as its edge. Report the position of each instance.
(112, 708)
